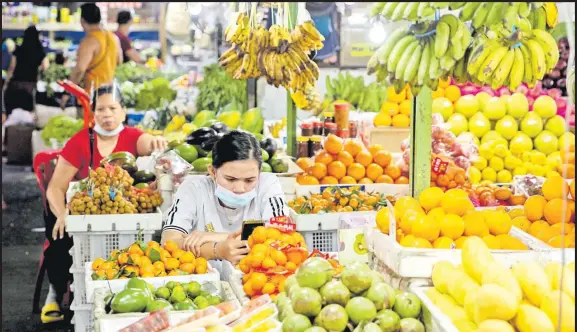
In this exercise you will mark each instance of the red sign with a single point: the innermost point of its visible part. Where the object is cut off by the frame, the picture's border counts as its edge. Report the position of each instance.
(438, 166)
(283, 224)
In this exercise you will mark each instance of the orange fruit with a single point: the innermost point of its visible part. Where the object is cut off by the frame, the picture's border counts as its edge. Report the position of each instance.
(401, 121)
(374, 171)
(111, 273)
(172, 263)
(402, 180)
(345, 157)
(557, 211)
(522, 223)
(395, 97)
(247, 288)
(304, 163)
(393, 171)
(563, 228)
(382, 158)
(439, 93)
(475, 225)
(158, 266)
(354, 147)
(408, 241)
(558, 242)
(365, 181)
(318, 170)
(405, 107)
(268, 288)
(178, 253)
(555, 187)
(278, 257)
(492, 242)
(272, 233)
(567, 170)
(422, 244)
(333, 144)
(444, 83)
(547, 234)
(364, 158)
(187, 267)
(499, 222)
(407, 221)
(170, 246)
(123, 259)
(443, 243)
(97, 262)
(375, 148)
(135, 249)
(348, 180)
(572, 189)
(259, 234)
(537, 227)
(452, 226)
(385, 179)
(324, 157)
(187, 257)
(329, 180)
(258, 280)
(460, 242)
(356, 171)
(534, 207)
(308, 180)
(290, 266)
(294, 256)
(173, 273)
(426, 227)
(337, 169)
(453, 93)
(390, 108)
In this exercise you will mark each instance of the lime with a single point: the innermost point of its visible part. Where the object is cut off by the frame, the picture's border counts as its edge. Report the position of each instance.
(201, 164)
(265, 156)
(265, 168)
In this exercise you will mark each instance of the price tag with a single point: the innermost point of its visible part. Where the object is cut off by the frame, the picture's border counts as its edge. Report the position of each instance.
(438, 166)
(283, 224)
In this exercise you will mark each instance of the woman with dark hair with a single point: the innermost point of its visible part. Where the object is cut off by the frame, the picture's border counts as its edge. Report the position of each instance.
(22, 74)
(207, 213)
(108, 135)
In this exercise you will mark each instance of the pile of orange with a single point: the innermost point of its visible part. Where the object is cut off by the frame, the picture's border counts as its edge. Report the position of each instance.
(148, 261)
(453, 177)
(447, 90)
(567, 167)
(335, 199)
(273, 257)
(444, 220)
(551, 217)
(396, 110)
(349, 162)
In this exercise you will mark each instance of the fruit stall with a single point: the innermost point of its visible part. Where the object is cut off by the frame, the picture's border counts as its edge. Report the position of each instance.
(438, 195)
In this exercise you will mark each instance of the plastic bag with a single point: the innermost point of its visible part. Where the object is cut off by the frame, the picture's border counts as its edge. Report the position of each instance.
(172, 165)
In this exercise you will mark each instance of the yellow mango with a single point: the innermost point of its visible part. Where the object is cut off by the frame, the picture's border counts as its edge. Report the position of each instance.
(476, 258)
(500, 275)
(532, 319)
(533, 280)
(550, 306)
(495, 302)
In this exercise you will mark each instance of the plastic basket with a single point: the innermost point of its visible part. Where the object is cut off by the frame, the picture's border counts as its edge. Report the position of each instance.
(83, 318)
(78, 286)
(89, 246)
(433, 318)
(323, 241)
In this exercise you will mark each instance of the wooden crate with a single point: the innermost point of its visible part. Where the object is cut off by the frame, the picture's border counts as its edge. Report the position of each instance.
(389, 137)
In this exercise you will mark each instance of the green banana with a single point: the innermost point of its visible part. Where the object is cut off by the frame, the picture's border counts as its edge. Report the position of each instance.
(528, 69)
(400, 68)
(413, 64)
(468, 11)
(434, 67)
(490, 64)
(453, 24)
(372, 64)
(536, 5)
(537, 58)
(388, 9)
(458, 50)
(377, 8)
(399, 11)
(460, 71)
(385, 50)
(511, 16)
(456, 5)
(517, 70)
(503, 70)
(540, 19)
(481, 14)
(466, 41)
(494, 13)
(441, 5)
(549, 45)
(424, 65)
(524, 9)
(525, 25)
(447, 63)
(424, 10)
(410, 12)
(398, 51)
(442, 39)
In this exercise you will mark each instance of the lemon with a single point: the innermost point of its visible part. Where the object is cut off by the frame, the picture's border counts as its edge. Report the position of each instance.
(496, 163)
(382, 120)
(489, 174)
(504, 176)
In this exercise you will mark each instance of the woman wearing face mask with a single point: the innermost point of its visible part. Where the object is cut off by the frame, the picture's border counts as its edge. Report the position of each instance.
(207, 213)
(107, 136)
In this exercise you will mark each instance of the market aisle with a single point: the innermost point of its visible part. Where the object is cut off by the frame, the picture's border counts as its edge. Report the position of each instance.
(21, 250)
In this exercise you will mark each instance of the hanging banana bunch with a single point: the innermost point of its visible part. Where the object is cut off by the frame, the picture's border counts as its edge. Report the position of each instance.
(280, 55)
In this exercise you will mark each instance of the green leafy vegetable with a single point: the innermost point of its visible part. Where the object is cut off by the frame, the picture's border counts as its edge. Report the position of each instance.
(61, 128)
(218, 89)
(154, 94)
(54, 73)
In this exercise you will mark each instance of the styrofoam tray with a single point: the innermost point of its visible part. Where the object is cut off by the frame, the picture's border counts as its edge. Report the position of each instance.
(433, 317)
(212, 276)
(383, 188)
(115, 322)
(113, 222)
(322, 221)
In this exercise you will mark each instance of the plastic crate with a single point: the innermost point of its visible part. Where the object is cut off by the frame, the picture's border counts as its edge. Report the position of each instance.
(83, 318)
(324, 241)
(78, 285)
(89, 246)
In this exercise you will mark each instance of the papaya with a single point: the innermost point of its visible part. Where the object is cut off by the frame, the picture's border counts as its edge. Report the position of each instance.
(203, 117)
(230, 118)
(253, 121)
(130, 300)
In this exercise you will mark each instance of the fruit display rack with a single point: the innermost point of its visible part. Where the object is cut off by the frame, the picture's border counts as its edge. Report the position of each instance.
(433, 318)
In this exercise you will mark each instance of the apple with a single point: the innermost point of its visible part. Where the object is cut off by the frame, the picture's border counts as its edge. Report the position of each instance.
(458, 123)
(495, 108)
(467, 105)
(443, 106)
(491, 136)
(556, 125)
(407, 305)
(547, 142)
(479, 125)
(532, 124)
(545, 106)
(482, 98)
(517, 105)
(520, 143)
(507, 126)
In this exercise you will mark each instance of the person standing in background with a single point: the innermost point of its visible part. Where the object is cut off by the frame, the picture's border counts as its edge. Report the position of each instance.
(98, 54)
(22, 75)
(124, 20)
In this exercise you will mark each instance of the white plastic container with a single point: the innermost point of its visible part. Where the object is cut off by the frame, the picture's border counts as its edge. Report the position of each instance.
(433, 318)
(239, 324)
(83, 318)
(211, 277)
(78, 286)
(113, 222)
(383, 188)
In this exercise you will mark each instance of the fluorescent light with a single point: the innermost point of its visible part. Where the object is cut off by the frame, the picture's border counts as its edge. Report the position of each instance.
(195, 9)
(377, 33)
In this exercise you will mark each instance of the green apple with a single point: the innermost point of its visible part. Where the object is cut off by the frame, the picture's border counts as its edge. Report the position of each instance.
(557, 125)
(517, 105)
(495, 108)
(479, 125)
(444, 107)
(482, 98)
(507, 126)
(532, 124)
(545, 106)
(547, 142)
(458, 124)
(520, 144)
(467, 105)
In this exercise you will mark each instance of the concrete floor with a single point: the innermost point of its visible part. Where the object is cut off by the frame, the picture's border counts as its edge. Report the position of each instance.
(21, 249)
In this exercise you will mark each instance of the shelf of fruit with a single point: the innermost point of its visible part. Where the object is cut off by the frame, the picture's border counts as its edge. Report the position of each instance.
(483, 294)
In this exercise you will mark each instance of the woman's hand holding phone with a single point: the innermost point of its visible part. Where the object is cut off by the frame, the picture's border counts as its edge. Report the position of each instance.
(233, 249)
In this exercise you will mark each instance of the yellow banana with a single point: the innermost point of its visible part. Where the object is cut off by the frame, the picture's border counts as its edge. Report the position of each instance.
(537, 58)
(503, 70)
(527, 67)
(491, 63)
(549, 45)
(517, 70)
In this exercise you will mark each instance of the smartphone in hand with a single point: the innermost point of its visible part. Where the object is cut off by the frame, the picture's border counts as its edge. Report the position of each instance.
(248, 227)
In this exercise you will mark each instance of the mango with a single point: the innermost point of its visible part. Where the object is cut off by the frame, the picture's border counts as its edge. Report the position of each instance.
(253, 121)
(532, 319)
(495, 302)
(476, 258)
(130, 300)
(495, 325)
(550, 306)
(533, 280)
(442, 274)
(460, 286)
(554, 271)
(500, 275)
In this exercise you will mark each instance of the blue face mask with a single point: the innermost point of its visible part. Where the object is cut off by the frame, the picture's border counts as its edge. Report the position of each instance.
(233, 200)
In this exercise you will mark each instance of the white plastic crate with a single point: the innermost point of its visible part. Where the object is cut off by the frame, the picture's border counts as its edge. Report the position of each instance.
(78, 286)
(89, 246)
(383, 188)
(322, 221)
(212, 276)
(83, 318)
(323, 241)
(433, 317)
(113, 222)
